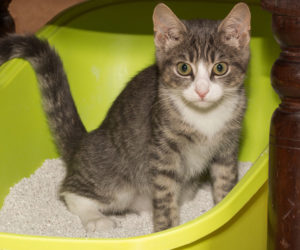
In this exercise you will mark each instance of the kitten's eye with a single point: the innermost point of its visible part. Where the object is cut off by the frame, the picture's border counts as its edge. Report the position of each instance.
(184, 69)
(220, 69)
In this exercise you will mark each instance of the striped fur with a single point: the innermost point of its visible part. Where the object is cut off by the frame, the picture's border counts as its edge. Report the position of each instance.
(159, 136)
(58, 104)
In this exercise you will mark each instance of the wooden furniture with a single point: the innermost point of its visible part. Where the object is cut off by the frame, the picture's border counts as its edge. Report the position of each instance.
(6, 21)
(30, 15)
(284, 159)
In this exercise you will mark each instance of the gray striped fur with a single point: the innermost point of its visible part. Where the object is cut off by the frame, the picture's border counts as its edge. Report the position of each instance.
(146, 150)
(57, 101)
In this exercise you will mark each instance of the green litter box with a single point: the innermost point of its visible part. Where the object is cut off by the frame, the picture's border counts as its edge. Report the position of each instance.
(103, 44)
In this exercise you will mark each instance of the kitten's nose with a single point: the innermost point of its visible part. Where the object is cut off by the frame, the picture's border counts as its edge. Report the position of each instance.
(202, 93)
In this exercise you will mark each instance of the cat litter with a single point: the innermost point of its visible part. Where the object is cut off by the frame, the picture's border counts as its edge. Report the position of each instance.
(33, 208)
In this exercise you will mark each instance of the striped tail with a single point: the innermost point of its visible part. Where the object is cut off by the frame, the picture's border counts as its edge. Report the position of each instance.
(58, 104)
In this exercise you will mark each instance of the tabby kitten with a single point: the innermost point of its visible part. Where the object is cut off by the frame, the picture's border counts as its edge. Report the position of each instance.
(173, 121)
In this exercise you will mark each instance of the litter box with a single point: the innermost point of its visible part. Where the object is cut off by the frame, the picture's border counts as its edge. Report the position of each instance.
(103, 44)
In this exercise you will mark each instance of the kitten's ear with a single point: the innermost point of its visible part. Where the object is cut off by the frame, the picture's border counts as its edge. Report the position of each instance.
(168, 29)
(235, 28)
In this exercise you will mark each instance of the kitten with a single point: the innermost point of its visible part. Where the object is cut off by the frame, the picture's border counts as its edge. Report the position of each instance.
(173, 121)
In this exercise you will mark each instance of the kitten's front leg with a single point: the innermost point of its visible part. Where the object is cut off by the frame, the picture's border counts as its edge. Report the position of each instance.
(224, 173)
(166, 190)
(165, 203)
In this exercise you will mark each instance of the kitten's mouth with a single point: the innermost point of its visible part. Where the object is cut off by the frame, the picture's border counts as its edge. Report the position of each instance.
(199, 103)
(203, 104)
(203, 101)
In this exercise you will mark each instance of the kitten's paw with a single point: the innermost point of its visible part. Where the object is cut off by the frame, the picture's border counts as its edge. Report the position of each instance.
(101, 224)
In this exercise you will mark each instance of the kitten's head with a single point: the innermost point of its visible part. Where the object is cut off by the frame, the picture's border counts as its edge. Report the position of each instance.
(202, 61)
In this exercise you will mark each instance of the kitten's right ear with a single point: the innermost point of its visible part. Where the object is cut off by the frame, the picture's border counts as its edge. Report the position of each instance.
(168, 29)
(235, 28)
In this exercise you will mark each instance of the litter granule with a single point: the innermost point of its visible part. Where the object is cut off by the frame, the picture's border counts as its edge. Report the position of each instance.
(33, 208)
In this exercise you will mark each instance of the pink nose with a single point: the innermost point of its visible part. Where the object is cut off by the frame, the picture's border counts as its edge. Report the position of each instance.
(202, 93)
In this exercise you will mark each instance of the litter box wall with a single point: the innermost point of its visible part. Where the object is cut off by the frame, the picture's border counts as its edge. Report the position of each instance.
(103, 44)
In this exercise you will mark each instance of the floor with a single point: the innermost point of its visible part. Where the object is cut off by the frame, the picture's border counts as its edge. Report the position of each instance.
(31, 15)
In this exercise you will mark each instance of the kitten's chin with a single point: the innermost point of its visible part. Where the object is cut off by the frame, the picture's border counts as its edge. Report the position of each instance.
(203, 104)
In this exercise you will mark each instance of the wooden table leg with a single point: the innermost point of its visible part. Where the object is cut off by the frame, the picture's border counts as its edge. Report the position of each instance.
(7, 24)
(284, 165)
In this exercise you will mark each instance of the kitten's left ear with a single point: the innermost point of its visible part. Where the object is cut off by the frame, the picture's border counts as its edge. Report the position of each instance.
(235, 28)
(168, 29)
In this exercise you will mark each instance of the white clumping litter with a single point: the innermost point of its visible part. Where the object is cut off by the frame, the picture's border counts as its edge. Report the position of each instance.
(33, 208)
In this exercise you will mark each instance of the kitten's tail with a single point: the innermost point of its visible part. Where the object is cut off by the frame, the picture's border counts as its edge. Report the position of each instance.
(58, 103)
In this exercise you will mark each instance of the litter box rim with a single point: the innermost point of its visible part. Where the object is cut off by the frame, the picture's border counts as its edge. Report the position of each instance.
(181, 235)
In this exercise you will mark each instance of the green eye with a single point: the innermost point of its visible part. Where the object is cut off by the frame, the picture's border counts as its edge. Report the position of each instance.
(184, 69)
(220, 69)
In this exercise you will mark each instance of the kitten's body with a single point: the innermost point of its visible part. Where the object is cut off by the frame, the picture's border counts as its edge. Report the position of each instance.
(159, 136)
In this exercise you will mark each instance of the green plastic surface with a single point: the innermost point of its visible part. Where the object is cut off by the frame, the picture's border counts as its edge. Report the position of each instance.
(103, 44)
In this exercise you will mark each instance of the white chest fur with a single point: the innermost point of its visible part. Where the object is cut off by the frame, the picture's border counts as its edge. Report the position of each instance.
(196, 158)
(207, 121)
